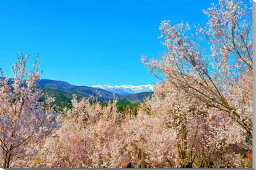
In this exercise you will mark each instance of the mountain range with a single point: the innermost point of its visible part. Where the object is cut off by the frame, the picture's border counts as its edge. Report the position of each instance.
(126, 89)
(63, 91)
(83, 91)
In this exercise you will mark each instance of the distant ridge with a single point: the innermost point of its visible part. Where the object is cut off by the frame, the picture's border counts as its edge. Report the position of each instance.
(136, 98)
(126, 89)
(63, 92)
(84, 91)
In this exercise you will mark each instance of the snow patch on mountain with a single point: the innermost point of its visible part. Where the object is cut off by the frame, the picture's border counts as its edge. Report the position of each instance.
(126, 89)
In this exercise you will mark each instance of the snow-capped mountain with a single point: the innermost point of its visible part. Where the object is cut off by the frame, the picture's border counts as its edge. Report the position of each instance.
(126, 89)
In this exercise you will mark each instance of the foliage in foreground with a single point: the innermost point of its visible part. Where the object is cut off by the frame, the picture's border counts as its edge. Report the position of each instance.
(24, 121)
(168, 131)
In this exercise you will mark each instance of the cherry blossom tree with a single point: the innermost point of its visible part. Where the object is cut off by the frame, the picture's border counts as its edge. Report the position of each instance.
(90, 136)
(216, 82)
(203, 136)
(212, 75)
(24, 120)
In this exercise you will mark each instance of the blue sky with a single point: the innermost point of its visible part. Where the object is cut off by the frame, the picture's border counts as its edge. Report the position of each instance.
(89, 42)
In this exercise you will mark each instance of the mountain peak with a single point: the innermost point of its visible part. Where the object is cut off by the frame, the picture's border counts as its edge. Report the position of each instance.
(125, 89)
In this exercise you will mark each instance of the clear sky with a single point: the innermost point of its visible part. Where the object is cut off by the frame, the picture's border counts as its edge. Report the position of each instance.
(89, 42)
